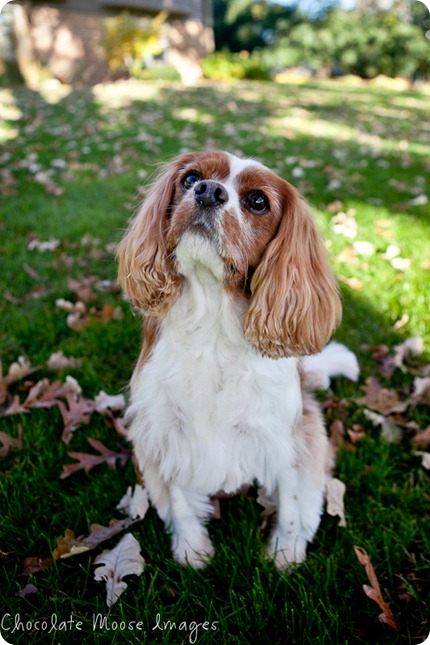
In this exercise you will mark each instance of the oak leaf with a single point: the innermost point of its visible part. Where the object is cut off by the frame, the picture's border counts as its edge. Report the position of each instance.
(70, 545)
(335, 491)
(374, 591)
(125, 559)
(134, 503)
(88, 461)
(9, 442)
(77, 411)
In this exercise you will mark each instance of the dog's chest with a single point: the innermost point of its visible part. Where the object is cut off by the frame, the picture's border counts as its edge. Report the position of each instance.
(212, 411)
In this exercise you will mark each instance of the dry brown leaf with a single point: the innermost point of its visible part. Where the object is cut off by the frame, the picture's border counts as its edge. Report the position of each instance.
(19, 370)
(422, 438)
(58, 362)
(421, 393)
(31, 272)
(44, 394)
(344, 224)
(14, 407)
(354, 283)
(77, 411)
(425, 459)
(374, 591)
(9, 442)
(335, 492)
(135, 503)
(385, 401)
(70, 545)
(104, 402)
(71, 307)
(123, 560)
(88, 461)
(390, 431)
(119, 423)
(83, 287)
(27, 590)
(32, 565)
(357, 433)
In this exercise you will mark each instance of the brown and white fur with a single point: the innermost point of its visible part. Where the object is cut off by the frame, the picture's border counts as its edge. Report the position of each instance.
(226, 264)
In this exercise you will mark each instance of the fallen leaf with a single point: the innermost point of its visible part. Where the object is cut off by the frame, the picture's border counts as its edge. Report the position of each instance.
(385, 401)
(344, 224)
(425, 456)
(77, 411)
(374, 591)
(14, 407)
(31, 272)
(44, 394)
(392, 252)
(399, 324)
(58, 362)
(401, 264)
(77, 321)
(83, 288)
(354, 283)
(134, 503)
(32, 565)
(72, 307)
(88, 461)
(335, 491)
(125, 559)
(119, 423)
(421, 393)
(419, 200)
(104, 402)
(27, 591)
(422, 438)
(69, 545)
(357, 433)
(390, 431)
(19, 370)
(9, 442)
(50, 245)
(364, 248)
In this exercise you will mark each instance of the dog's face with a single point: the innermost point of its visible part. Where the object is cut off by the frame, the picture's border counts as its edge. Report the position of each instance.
(234, 204)
(267, 249)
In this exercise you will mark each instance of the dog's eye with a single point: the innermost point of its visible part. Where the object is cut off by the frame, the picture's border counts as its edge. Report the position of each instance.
(190, 179)
(257, 202)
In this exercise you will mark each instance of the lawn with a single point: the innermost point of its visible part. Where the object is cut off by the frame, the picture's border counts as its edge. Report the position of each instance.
(73, 166)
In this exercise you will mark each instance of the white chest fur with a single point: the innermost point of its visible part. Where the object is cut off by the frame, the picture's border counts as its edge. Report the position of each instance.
(206, 407)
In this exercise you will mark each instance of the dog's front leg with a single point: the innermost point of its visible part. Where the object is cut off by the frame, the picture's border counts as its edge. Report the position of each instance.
(299, 510)
(191, 544)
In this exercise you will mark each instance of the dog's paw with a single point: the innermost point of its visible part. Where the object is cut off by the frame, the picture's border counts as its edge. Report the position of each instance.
(196, 553)
(286, 553)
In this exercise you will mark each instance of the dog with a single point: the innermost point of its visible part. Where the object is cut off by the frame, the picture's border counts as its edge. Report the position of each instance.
(226, 265)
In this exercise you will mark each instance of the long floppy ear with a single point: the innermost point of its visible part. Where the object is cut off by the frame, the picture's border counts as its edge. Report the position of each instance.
(145, 271)
(295, 304)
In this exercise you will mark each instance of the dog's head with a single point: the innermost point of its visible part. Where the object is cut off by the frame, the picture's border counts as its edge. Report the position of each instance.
(253, 231)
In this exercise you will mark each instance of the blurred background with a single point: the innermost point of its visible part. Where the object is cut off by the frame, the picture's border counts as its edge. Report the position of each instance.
(85, 42)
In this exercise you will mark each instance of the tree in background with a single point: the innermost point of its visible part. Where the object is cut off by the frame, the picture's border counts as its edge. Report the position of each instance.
(369, 40)
(247, 25)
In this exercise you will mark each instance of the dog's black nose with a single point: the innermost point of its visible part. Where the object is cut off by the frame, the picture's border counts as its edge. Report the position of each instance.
(210, 194)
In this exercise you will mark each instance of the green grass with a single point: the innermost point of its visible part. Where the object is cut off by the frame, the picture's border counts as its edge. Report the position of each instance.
(375, 143)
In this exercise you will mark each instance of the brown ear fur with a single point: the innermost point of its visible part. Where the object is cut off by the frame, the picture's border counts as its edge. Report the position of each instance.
(145, 271)
(295, 304)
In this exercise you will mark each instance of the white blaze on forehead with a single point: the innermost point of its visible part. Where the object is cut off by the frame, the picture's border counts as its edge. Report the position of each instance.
(237, 165)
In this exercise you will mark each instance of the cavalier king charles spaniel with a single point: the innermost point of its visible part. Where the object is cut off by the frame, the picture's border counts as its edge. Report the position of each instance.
(226, 265)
